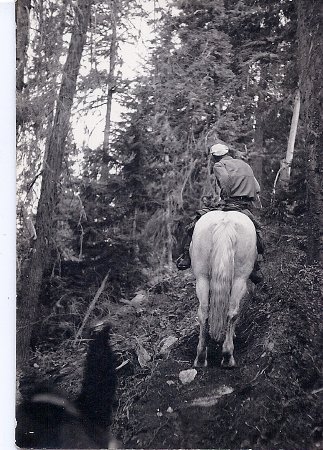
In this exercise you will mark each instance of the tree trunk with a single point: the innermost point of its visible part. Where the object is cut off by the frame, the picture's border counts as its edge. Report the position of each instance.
(111, 88)
(285, 170)
(257, 158)
(22, 40)
(29, 295)
(169, 241)
(310, 37)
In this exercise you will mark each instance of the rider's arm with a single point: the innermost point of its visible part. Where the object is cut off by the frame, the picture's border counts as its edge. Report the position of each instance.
(222, 178)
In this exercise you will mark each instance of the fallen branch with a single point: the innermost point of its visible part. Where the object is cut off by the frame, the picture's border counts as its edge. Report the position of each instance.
(92, 305)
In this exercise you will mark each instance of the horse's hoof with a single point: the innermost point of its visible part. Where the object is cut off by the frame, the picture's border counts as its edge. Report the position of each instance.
(198, 363)
(228, 362)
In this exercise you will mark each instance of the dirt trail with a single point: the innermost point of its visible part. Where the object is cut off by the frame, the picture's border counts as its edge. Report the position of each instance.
(180, 416)
(271, 400)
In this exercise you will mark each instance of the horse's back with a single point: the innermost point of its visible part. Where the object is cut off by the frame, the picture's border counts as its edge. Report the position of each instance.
(234, 217)
(229, 224)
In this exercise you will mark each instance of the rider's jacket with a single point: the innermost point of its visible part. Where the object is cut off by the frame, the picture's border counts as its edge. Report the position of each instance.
(235, 178)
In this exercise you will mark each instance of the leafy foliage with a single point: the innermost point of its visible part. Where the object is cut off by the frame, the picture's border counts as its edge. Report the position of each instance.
(216, 70)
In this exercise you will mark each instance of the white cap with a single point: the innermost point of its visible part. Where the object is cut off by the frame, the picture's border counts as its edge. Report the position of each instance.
(219, 149)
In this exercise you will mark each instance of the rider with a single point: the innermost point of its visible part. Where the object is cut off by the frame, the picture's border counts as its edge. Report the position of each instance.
(239, 189)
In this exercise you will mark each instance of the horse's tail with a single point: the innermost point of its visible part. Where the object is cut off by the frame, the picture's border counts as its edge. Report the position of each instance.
(221, 270)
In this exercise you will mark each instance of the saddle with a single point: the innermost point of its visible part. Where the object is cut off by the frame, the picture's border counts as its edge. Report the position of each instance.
(240, 206)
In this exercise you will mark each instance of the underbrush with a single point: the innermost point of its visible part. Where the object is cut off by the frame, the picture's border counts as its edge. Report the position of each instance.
(279, 407)
(278, 343)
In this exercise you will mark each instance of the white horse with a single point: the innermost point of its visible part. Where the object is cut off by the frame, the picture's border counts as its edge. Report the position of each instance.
(223, 252)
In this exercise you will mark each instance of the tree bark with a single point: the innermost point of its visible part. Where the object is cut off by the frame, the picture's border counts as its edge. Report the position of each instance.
(29, 295)
(22, 40)
(310, 37)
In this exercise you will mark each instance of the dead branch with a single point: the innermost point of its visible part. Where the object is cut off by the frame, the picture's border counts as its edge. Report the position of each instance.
(92, 305)
(33, 181)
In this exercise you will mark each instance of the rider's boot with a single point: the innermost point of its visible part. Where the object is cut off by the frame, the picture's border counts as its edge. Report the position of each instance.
(184, 261)
(256, 275)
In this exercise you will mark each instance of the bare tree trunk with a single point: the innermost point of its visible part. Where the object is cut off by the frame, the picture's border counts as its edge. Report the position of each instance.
(169, 242)
(22, 40)
(284, 175)
(29, 295)
(257, 158)
(111, 88)
(56, 54)
(310, 35)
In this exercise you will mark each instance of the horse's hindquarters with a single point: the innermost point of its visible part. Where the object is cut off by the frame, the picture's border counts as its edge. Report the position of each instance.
(223, 252)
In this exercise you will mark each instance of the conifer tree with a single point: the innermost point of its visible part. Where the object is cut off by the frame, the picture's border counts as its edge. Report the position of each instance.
(310, 35)
(28, 299)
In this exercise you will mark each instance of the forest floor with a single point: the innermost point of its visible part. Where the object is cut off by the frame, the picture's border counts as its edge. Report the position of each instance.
(271, 400)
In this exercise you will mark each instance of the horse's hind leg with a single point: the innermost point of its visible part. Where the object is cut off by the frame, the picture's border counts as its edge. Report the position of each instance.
(239, 289)
(202, 291)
